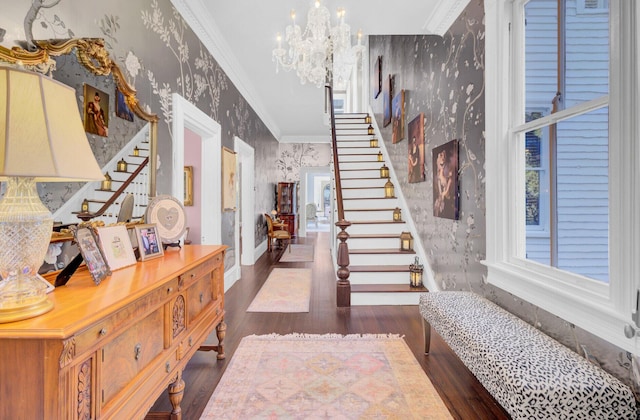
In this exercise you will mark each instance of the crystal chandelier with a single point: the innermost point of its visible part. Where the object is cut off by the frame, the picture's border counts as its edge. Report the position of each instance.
(320, 53)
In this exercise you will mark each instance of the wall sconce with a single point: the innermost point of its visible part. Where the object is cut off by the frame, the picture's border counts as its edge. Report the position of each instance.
(373, 142)
(406, 241)
(384, 171)
(84, 207)
(367, 119)
(388, 189)
(379, 156)
(370, 130)
(136, 151)
(415, 273)
(122, 166)
(397, 215)
(106, 183)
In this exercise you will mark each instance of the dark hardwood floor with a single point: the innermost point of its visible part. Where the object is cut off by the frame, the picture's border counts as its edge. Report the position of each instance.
(465, 397)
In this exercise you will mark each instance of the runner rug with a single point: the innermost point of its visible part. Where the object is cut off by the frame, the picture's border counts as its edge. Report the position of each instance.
(285, 290)
(324, 376)
(299, 253)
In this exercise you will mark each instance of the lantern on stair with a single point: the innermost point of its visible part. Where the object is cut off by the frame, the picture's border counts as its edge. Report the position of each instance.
(367, 119)
(384, 171)
(406, 241)
(415, 273)
(106, 182)
(370, 130)
(388, 189)
(84, 207)
(373, 142)
(397, 215)
(136, 151)
(380, 157)
(122, 166)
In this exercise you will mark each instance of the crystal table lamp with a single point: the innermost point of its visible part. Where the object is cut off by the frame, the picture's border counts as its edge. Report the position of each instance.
(42, 139)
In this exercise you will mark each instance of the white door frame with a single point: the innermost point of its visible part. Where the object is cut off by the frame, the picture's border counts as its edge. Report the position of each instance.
(304, 171)
(246, 158)
(187, 115)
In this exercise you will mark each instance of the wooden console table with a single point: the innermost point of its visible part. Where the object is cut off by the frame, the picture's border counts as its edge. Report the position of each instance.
(110, 351)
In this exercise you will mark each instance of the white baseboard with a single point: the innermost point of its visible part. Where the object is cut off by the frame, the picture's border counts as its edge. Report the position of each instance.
(231, 276)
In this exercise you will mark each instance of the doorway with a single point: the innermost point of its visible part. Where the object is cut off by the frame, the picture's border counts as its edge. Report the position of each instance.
(314, 181)
(245, 216)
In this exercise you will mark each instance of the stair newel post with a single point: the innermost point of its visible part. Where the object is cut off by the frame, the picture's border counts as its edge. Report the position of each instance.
(343, 292)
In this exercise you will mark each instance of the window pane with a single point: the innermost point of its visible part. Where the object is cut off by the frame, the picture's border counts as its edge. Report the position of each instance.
(541, 52)
(583, 194)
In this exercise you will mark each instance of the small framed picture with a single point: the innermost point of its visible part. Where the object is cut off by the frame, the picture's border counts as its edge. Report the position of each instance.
(149, 244)
(91, 254)
(116, 246)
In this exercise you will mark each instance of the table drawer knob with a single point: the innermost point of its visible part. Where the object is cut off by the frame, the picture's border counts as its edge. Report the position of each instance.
(169, 290)
(201, 297)
(103, 332)
(137, 351)
(167, 367)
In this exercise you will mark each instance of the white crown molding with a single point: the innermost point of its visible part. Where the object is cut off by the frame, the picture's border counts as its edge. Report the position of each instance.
(443, 16)
(306, 139)
(196, 14)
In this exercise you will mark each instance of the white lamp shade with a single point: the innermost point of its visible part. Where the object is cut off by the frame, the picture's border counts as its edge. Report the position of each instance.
(41, 132)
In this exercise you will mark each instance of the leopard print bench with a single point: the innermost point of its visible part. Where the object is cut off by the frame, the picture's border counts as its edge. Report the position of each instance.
(530, 374)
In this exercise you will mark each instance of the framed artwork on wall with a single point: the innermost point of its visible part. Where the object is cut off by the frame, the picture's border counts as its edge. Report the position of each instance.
(416, 149)
(445, 180)
(387, 94)
(228, 180)
(188, 186)
(397, 117)
(96, 111)
(122, 109)
(376, 80)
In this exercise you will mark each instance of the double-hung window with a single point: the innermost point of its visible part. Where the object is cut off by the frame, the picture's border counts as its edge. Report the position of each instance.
(563, 147)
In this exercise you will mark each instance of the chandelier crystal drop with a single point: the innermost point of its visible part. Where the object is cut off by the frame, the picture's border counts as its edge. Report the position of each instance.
(320, 53)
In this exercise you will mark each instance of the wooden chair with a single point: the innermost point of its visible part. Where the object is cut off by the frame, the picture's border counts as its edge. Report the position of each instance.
(276, 234)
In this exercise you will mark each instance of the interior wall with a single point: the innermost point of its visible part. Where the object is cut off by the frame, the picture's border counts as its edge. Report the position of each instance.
(192, 157)
(444, 78)
(159, 54)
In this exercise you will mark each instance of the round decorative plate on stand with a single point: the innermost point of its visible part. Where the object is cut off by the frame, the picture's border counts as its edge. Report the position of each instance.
(169, 216)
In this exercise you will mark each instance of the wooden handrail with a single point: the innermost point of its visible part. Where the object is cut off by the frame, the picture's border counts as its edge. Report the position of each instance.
(343, 290)
(89, 215)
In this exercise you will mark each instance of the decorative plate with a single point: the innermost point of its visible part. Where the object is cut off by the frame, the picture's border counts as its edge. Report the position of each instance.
(169, 216)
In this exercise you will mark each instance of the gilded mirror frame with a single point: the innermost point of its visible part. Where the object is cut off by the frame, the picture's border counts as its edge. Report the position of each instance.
(91, 53)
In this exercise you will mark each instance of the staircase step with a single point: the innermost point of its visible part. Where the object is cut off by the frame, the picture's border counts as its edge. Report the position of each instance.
(355, 143)
(376, 182)
(379, 269)
(353, 139)
(382, 295)
(387, 288)
(372, 203)
(391, 256)
(380, 251)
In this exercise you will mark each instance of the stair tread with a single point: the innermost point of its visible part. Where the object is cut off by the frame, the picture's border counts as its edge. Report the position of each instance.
(361, 178)
(386, 288)
(379, 268)
(374, 222)
(363, 188)
(368, 198)
(374, 235)
(380, 251)
(386, 209)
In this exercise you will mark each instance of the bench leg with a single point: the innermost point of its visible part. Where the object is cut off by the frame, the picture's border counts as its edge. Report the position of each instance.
(426, 334)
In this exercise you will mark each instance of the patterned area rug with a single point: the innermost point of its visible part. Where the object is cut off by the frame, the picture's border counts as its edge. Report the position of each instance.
(299, 253)
(285, 290)
(324, 376)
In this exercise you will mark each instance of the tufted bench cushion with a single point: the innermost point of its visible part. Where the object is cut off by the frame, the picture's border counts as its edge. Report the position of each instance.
(530, 374)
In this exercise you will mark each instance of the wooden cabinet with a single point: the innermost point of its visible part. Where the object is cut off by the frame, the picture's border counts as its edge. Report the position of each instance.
(287, 199)
(109, 351)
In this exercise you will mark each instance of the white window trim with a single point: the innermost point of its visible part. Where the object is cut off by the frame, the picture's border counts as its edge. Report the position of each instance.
(603, 310)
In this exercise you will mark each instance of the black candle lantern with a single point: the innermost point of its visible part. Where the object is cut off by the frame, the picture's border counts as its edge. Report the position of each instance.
(406, 241)
(384, 171)
(415, 273)
(370, 130)
(106, 183)
(122, 166)
(397, 215)
(84, 207)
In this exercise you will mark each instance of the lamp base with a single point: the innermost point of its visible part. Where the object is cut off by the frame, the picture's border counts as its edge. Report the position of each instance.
(25, 312)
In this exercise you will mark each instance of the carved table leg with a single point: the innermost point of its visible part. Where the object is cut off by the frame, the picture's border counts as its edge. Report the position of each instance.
(176, 392)
(221, 331)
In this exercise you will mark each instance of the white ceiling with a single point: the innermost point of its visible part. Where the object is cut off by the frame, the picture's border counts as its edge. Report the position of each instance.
(241, 35)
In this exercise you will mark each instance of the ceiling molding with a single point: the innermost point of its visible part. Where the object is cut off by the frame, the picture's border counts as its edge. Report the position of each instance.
(306, 139)
(443, 16)
(202, 24)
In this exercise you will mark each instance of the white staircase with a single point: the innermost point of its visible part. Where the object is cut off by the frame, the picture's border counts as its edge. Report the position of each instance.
(379, 270)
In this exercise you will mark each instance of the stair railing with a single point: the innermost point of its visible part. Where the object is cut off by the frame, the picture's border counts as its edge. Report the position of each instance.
(91, 215)
(343, 291)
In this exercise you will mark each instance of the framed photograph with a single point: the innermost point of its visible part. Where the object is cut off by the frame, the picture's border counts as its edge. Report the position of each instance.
(96, 111)
(188, 186)
(387, 94)
(446, 195)
(122, 109)
(416, 149)
(376, 80)
(149, 244)
(91, 254)
(228, 180)
(116, 246)
(397, 118)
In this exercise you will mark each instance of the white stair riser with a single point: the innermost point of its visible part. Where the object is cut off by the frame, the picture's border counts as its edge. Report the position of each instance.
(379, 278)
(348, 151)
(359, 157)
(362, 299)
(360, 125)
(362, 144)
(377, 259)
(362, 183)
(368, 215)
(345, 163)
(363, 193)
(368, 173)
(344, 139)
(373, 243)
(373, 203)
(376, 228)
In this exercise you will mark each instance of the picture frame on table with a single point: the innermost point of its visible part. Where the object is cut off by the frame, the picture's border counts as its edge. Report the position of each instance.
(116, 246)
(149, 243)
(91, 254)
